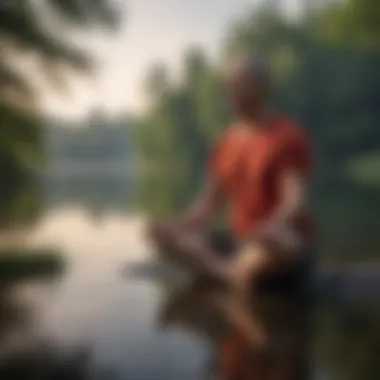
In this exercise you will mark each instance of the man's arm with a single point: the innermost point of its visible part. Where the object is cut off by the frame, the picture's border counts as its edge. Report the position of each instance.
(293, 203)
(276, 243)
(203, 211)
(184, 240)
(279, 231)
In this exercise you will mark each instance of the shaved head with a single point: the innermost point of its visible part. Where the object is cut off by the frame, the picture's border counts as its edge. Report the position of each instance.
(248, 81)
(251, 65)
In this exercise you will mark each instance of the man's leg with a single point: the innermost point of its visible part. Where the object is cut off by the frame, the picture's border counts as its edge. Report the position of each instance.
(191, 250)
(203, 254)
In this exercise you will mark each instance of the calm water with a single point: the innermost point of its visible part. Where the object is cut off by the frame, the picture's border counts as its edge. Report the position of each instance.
(122, 323)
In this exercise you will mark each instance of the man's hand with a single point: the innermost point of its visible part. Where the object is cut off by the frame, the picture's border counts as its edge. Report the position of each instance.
(205, 209)
(194, 220)
(160, 233)
(279, 230)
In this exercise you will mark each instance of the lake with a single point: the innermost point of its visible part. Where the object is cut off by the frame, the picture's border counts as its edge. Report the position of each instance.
(103, 319)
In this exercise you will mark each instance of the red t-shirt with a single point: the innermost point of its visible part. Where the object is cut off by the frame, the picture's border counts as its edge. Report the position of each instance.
(248, 164)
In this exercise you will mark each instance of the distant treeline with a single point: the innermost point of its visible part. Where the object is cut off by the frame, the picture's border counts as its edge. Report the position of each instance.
(100, 140)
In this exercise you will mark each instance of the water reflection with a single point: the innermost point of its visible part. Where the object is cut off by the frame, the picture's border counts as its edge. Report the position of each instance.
(21, 266)
(95, 196)
(213, 314)
(22, 356)
(44, 360)
(119, 310)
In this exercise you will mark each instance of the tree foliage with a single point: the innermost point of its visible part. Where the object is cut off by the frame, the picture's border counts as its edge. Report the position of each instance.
(30, 29)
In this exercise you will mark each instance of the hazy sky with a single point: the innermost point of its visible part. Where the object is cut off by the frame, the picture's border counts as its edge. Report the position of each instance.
(156, 30)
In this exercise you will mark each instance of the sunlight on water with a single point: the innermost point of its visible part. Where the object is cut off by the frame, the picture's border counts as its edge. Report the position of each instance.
(73, 230)
(94, 305)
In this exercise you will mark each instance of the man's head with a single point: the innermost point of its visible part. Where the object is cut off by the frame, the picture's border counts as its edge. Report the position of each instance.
(248, 84)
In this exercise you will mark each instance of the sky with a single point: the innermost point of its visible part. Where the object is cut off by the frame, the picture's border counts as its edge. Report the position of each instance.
(156, 30)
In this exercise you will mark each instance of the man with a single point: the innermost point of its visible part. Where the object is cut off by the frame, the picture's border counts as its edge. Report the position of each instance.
(260, 166)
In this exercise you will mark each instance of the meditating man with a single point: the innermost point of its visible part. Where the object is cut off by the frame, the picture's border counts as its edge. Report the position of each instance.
(259, 167)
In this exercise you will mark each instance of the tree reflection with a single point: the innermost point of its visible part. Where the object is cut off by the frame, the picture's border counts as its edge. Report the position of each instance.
(23, 356)
(15, 315)
(43, 361)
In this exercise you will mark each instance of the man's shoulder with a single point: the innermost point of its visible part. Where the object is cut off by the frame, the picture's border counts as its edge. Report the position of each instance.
(290, 129)
(233, 129)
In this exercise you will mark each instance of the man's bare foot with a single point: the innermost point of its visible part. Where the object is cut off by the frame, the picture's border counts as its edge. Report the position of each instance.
(249, 263)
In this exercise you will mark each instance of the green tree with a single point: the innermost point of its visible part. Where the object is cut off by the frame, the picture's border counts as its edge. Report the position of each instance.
(353, 23)
(28, 29)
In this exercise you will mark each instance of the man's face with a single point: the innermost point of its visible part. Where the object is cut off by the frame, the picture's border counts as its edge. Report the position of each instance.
(245, 91)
